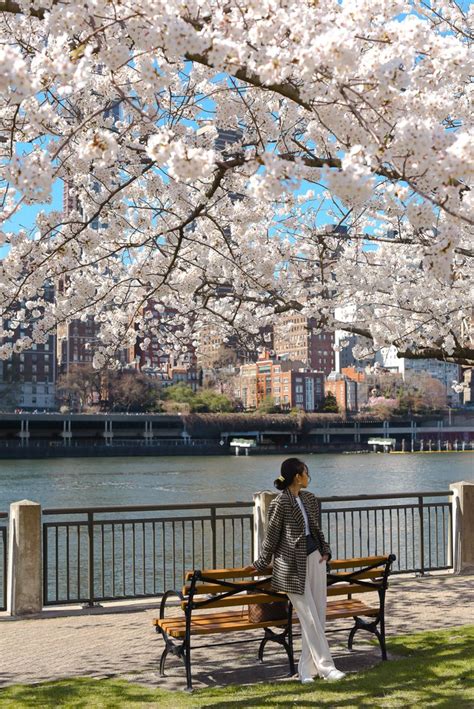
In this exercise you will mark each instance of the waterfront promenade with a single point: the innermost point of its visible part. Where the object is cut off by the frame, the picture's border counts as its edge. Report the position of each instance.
(119, 641)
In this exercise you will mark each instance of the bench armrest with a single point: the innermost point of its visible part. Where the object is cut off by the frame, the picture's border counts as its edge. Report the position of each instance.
(166, 595)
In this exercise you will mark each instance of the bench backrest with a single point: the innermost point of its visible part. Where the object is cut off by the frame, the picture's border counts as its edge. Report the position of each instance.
(359, 575)
(223, 588)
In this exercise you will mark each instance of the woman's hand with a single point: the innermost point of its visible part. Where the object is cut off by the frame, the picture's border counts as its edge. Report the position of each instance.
(250, 569)
(325, 557)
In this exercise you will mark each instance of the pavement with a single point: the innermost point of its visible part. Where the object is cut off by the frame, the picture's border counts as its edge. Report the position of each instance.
(119, 641)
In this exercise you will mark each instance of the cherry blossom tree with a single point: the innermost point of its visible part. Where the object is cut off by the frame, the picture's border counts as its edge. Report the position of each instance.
(342, 192)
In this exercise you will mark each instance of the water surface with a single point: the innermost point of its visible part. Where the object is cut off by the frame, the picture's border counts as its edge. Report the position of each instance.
(85, 482)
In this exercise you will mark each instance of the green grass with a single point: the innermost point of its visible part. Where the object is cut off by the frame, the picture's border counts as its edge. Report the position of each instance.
(435, 669)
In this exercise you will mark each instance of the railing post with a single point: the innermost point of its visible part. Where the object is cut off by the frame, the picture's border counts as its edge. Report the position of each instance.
(462, 534)
(45, 564)
(261, 502)
(422, 535)
(24, 586)
(3, 600)
(90, 567)
(214, 535)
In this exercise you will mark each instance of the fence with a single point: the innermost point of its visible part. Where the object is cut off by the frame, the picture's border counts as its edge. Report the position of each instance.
(99, 556)
(3, 560)
(107, 553)
(416, 527)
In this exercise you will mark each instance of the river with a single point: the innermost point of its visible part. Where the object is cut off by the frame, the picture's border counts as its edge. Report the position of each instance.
(83, 482)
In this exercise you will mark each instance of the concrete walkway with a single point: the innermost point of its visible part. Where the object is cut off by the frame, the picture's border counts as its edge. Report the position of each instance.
(119, 641)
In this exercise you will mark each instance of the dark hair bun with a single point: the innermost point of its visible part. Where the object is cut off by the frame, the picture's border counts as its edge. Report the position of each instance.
(289, 469)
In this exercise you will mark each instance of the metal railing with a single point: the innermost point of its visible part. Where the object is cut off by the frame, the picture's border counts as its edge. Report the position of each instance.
(3, 561)
(109, 553)
(415, 526)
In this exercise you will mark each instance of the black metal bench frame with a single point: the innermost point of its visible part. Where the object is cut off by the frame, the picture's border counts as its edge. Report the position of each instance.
(381, 588)
(182, 649)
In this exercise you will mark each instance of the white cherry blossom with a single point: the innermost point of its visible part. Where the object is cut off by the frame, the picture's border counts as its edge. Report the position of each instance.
(231, 162)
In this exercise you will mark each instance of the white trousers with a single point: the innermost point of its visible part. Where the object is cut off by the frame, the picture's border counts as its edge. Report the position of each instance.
(311, 609)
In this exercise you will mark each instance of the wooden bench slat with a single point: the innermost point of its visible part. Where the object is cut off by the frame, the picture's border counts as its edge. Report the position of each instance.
(372, 574)
(224, 614)
(222, 625)
(205, 588)
(241, 599)
(344, 588)
(236, 573)
(359, 561)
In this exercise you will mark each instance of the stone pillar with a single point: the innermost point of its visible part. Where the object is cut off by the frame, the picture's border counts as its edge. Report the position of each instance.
(66, 434)
(25, 588)
(463, 527)
(108, 432)
(261, 502)
(24, 433)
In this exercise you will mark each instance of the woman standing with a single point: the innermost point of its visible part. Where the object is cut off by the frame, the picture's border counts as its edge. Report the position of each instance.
(296, 543)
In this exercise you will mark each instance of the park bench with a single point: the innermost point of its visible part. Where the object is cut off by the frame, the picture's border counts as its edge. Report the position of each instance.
(216, 602)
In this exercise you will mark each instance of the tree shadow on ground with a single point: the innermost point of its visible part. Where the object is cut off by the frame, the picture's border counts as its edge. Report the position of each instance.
(433, 673)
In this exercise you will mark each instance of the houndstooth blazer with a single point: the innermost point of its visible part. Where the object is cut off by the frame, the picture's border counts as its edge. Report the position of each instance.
(285, 540)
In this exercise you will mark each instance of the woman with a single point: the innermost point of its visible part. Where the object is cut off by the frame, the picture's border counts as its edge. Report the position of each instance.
(296, 543)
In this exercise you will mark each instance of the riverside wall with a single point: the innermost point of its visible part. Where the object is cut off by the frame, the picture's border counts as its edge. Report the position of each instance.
(43, 435)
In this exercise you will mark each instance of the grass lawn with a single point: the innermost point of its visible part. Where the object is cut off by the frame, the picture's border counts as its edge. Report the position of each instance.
(435, 670)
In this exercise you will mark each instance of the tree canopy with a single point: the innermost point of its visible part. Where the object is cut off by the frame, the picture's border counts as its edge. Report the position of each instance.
(234, 161)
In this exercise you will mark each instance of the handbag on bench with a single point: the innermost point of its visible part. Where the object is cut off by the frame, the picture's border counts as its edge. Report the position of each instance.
(273, 610)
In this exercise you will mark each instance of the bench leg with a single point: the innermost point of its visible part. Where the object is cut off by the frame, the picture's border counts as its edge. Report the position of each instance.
(187, 660)
(170, 647)
(382, 637)
(371, 628)
(350, 639)
(261, 648)
(281, 640)
(163, 657)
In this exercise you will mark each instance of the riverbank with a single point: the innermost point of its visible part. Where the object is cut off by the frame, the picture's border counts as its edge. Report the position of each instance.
(42, 452)
(37, 451)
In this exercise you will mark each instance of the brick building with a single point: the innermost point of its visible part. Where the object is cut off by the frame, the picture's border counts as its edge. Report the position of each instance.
(344, 390)
(28, 379)
(288, 384)
(295, 338)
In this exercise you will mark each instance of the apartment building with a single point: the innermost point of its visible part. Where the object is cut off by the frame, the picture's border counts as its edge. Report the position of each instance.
(295, 337)
(288, 384)
(344, 390)
(28, 379)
